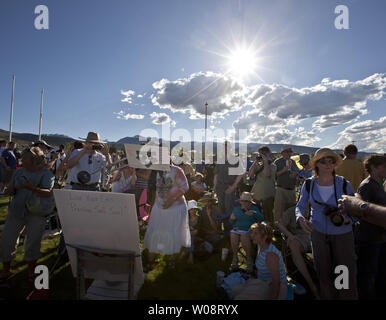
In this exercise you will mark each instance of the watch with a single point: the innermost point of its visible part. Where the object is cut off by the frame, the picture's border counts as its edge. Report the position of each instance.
(363, 206)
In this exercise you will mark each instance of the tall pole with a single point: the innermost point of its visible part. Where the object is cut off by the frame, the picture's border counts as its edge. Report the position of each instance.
(41, 114)
(12, 101)
(206, 118)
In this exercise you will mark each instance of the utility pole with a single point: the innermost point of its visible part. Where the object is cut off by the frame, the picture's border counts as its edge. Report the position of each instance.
(41, 115)
(12, 101)
(206, 118)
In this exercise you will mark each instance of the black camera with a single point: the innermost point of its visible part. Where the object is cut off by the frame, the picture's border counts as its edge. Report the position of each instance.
(97, 147)
(259, 158)
(335, 216)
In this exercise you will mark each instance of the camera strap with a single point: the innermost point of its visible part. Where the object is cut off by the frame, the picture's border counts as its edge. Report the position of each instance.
(336, 197)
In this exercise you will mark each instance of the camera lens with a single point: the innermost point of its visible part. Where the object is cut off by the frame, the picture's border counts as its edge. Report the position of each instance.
(337, 219)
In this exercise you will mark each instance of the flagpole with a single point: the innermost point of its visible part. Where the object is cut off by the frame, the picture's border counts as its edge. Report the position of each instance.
(206, 118)
(12, 101)
(41, 114)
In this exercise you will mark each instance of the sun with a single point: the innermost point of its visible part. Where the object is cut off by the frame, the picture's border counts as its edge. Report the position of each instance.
(242, 62)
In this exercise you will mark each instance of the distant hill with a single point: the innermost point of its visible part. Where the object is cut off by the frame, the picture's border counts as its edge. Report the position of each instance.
(26, 139)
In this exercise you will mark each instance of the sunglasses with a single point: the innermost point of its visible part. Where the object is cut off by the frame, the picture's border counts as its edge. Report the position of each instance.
(327, 161)
(90, 159)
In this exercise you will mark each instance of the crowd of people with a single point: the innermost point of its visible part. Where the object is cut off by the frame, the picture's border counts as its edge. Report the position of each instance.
(332, 206)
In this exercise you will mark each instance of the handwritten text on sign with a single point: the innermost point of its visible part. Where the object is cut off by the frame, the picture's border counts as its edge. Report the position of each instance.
(93, 204)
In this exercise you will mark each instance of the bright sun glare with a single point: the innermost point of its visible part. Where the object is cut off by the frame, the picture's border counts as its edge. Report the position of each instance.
(242, 62)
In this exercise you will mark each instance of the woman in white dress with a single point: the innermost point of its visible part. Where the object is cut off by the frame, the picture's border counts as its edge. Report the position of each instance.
(168, 228)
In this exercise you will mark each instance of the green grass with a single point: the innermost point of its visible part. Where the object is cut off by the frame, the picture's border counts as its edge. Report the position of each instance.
(183, 282)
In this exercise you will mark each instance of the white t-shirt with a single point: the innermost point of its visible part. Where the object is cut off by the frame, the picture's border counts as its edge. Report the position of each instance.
(60, 159)
(122, 184)
(325, 192)
(97, 160)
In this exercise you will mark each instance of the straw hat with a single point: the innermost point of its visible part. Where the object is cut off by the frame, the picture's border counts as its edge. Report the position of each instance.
(39, 142)
(325, 152)
(246, 196)
(93, 137)
(192, 204)
(208, 196)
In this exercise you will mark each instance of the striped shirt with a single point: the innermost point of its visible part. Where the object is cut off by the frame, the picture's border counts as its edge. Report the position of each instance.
(263, 272)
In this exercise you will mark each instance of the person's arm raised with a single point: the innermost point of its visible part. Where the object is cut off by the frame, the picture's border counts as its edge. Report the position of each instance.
(74, 161)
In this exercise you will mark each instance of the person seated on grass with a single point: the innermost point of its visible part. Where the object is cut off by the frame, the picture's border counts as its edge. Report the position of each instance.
(33, 179)
(209, 225)
(198, 187)
(193, 224)
(299, 243)
(241, 219)
(271, 282)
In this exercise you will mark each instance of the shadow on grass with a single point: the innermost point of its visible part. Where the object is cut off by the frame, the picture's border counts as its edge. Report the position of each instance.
(186, 281)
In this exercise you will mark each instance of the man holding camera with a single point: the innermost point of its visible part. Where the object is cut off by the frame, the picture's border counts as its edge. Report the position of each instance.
(86, 164)
(263, 190)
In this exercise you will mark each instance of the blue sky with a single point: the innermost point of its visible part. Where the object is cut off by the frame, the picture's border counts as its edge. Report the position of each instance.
(95, 50)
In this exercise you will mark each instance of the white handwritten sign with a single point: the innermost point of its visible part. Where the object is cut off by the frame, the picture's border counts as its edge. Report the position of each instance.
(101, 220)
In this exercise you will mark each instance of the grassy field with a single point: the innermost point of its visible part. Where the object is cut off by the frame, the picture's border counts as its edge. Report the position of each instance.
(183, 282)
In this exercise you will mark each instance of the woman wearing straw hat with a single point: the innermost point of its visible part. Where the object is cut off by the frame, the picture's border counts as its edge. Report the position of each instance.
(242, 218)
(33, 180)
(331, 231)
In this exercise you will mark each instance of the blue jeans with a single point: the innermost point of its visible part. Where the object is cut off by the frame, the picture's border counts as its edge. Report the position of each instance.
(371, 269)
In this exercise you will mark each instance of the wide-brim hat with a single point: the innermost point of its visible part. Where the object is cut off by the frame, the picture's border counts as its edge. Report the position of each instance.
(246, 196)
(323, 153)
(208, 196)
(286, 148)
(93, 137)
(39, 142)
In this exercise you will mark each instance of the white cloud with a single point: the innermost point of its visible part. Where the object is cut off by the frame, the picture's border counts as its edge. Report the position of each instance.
(222, 93)
(140, 96)
(333, 103)
(121, 115)
(128, 96)
(325, 99)
(369, 135)
(160, 118)
(339, 118)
